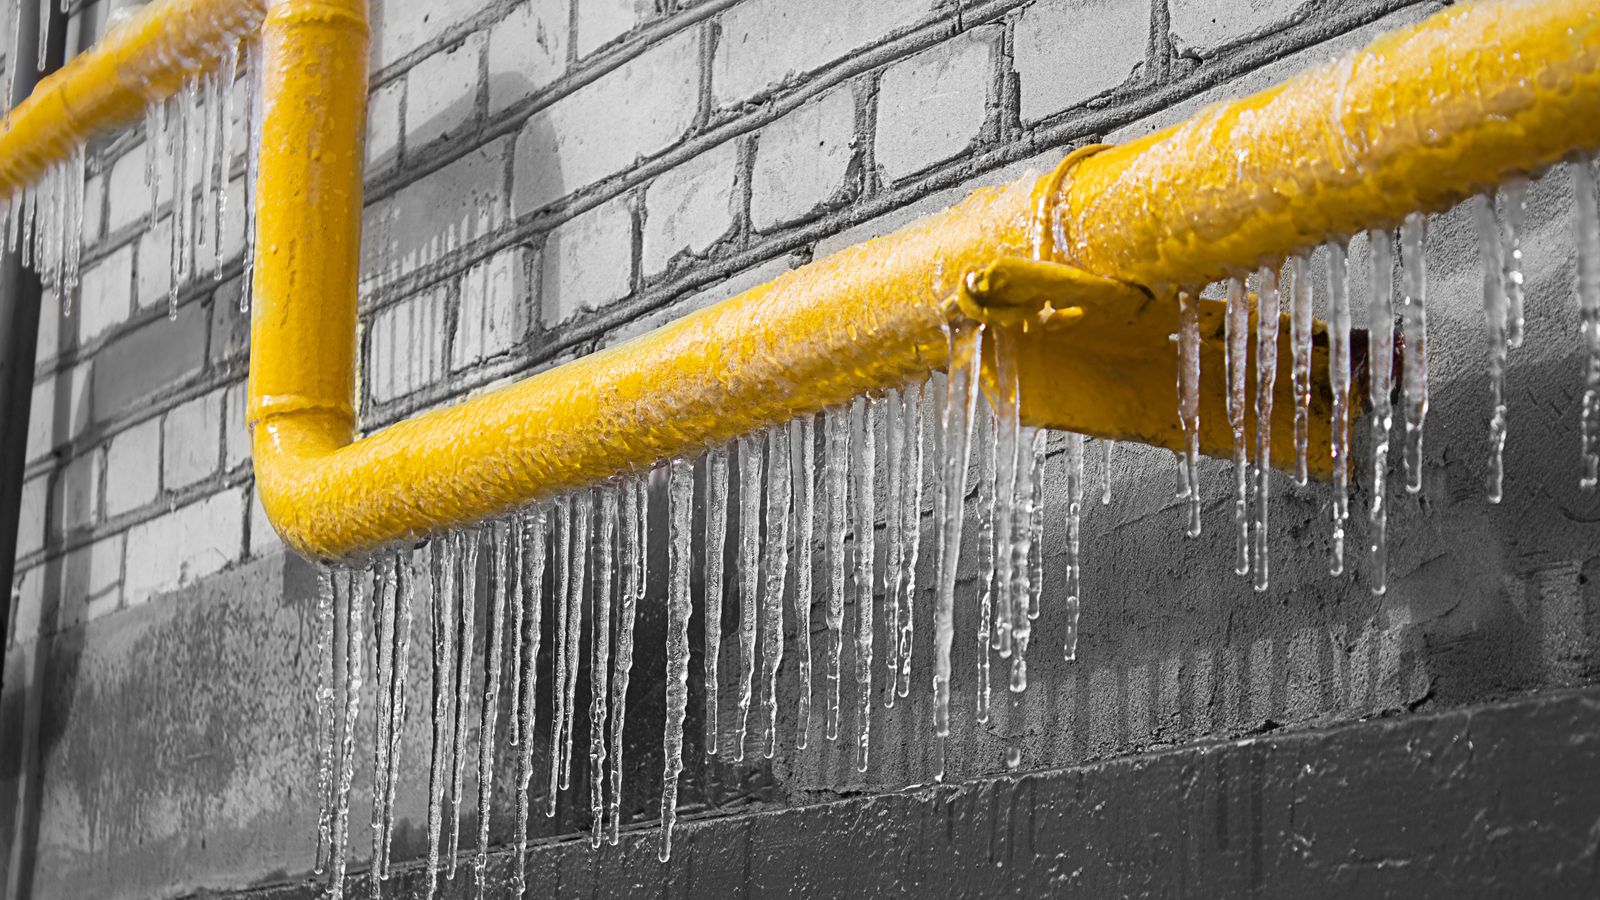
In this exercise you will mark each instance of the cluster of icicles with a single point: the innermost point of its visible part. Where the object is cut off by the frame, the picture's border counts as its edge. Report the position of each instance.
(189, 136)
(836, 468)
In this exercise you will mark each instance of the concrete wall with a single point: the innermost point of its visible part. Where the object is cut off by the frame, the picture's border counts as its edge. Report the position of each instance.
(550, 176)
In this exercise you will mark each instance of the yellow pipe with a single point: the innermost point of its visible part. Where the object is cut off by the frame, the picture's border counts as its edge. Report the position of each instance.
(1419, 113)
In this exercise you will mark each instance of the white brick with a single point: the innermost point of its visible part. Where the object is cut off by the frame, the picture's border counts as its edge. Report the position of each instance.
(734, 284)
(79, 381)
(1067, 51)
(49, 342)
(588, 261)
(77, 493)
(94, 200)
(133, 468)
(602, 21)
(59, 410)
(1202, 27)
(155, 265)
(442, 93)
(233, 223)
(801, 159)
(527, 50)
(263, 537)
(406, 345)
(638, 110)
(127, 197)
(105, 295)
(191, 439)
(491, 320)
(405, 25)
(237, 427)
(689, 207)
(91, 578)
(31, 517)
(447, 208)
(383, 125)
(766, 42)
(184, 546)
(42, 420)
(29, 606)
(931, 106)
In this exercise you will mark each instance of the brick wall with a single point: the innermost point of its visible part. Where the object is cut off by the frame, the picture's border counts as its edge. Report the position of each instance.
(546, 177)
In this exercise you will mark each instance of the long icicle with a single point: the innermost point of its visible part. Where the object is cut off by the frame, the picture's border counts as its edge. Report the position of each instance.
(600, 663)
(1339, 385)
(891, 409)
(1514, 193)
(1189, 403)
(229, 74)
(716, 540)
(1300, 356)
(354, 656)
(1266, 374)
(252, 166)
(1238, 361)
(836, 459)
(679, 609)
(987, 569)
(466, 601)
(383, 636)
(1039, 446)
(965, 341)
(443, 572)
(911, 528)
(622, 665)
(864, 467)
(1380, 365)
(1494, 314)
(803, 438)
(493, 664)
(750, 488)
(1074, 599)
(327, 725)
(532, 597)
(1588, 290)
(776, 564)
(1414, 326)
(405, 595)
(582, 516)
(558, 609)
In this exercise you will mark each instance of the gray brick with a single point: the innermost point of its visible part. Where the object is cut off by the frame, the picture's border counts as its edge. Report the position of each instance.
(236, 425)
(91, 581)
(401, 26)
(133, 468)
(688, 208)
(105, 294)
(127, 198)
(405, 346)
(637, 110)
(767, 42)
(94, 206)
(442, 91)
(31, 517)
(191, 441)
(491, 320)
(931, 106)
(230, 326)
(802, 159)
(383, 125)
(527, 50)
(602, 21)
(185, 545)
(52, 340)
(159, 355)
(1067, 51)
(77, 493)
(588, 261)
(1201, 27)
(154, 265)
(42, 420)
(28, 607)
(451, 206)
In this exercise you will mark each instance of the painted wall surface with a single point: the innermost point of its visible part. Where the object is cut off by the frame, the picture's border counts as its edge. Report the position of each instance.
(546, 177)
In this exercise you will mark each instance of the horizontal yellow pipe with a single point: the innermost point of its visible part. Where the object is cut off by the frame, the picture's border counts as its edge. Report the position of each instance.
(143, 59)
(1422, 118)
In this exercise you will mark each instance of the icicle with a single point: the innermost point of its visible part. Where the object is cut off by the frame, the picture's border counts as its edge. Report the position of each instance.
(632, 525)
(558, 609)
(1300, 354)
(1266, 375)
(18, 213)
(1515, 194)
(30, 210)
(911, 529)
(354, 656)
(582, 513)
(252, 167)
(965, 340)
(443, 572)
(494, 639)
(15, 70)
(1035, 568)
(803, 440)
(715, 549)
(531, 597)
(466, 607)
(1189, 403)
(679, 609)
(327, 725)
(76, 176)
(518, 610)
(1074, 598)
(209, 103)
(1380, 363)
(1588, 239)
(987, 499)
(1414, 327)
(1007, 444)
(750, 487)
(178, 140)
(776, 564)
(383, 635)
(1238, 361)
(1108, 450)
(405, 596)
(864, 462)
(1494, 313)
(155, 127)
(836, 461)
(228, 74)
(600, 663)
(44, 38)
(1339, 385)
(891, 410)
